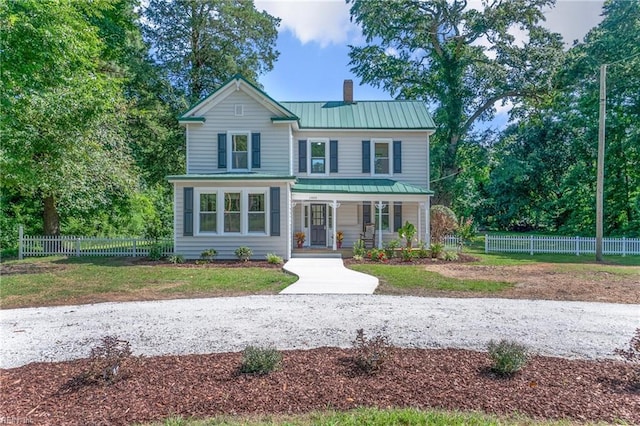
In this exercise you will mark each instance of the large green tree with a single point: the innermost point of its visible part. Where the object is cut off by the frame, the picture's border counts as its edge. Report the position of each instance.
(202, 43)
(543, 173)
(61, 109)
(462, 61)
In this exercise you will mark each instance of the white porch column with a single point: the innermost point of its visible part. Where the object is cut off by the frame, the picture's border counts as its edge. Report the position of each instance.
(420, 207)
(427, 216)
(380, 206)
(302, 222)
(334, 206)
(292, 205)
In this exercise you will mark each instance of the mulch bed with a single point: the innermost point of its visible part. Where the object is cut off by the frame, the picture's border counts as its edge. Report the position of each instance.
(319, 379)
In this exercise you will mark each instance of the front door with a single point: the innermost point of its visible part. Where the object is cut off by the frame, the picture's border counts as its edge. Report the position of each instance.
(318, 225)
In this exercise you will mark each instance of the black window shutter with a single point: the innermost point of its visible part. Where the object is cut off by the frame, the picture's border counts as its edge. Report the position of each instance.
(366, 214)
(397, 216)
(275, 211)
(255, 150)
(302, 156)
(333, 156)
(187, 225)
(366, 156)
(397, 157)
(222, 150)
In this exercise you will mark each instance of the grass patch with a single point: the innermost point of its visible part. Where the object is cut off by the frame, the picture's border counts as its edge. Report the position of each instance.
(413, 277)
(369, 417)
(61, 281)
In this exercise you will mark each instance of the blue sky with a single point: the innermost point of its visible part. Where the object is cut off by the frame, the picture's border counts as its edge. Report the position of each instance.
(314, 36)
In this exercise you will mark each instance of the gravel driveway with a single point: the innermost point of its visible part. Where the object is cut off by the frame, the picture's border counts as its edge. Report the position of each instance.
(186, 326)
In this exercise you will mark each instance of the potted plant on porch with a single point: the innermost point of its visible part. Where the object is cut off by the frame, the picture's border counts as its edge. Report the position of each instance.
(339, 238)
(300, 237)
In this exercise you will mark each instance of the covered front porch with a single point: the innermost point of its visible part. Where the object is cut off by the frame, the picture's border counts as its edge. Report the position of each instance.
(324, 209)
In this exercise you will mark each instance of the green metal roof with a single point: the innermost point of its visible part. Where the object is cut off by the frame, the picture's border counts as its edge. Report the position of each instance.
(231, 176)
(392, 115)
(358, 186)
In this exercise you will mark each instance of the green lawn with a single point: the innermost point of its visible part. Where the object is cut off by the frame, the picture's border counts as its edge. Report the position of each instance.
(415, 277)
(476, 248)
(58, 281)
(369, 417)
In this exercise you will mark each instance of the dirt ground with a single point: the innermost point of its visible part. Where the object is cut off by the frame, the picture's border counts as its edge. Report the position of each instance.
(551, 281)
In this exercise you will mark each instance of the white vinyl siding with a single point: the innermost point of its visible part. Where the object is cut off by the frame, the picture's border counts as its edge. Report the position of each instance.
(260, 242)
(414, 154)
(202, 154)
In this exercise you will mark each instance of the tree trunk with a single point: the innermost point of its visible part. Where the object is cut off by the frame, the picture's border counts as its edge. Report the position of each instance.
(51, 217)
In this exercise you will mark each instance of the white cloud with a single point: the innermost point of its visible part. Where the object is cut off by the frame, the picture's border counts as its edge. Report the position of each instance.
(325, 22)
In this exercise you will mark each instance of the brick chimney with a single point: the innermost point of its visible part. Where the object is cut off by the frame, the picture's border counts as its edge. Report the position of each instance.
(347, 91)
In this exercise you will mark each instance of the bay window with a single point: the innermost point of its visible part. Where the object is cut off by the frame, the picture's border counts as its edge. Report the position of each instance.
(257, 213)
(232, 212)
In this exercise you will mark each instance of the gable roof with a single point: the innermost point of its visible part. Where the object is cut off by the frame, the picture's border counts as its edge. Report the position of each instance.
(196, 112)
(381, 115)
(375, 115)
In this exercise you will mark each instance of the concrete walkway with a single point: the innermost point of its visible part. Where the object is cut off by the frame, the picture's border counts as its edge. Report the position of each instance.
(327, 276)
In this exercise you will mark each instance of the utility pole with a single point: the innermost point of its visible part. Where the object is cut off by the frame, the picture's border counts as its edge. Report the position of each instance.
(600, 177)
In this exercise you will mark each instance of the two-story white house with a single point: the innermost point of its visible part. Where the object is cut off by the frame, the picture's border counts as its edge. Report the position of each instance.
(258, 171)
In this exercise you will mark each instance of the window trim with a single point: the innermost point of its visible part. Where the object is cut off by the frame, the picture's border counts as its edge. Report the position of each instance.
(244, 211)
(310, 143)
(389, 143)
(230, 135)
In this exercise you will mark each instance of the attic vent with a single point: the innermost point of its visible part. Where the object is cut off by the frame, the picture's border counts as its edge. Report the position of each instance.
(239, 110)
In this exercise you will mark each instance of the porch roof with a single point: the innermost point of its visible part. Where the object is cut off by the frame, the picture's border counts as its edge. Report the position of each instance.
(357, 186)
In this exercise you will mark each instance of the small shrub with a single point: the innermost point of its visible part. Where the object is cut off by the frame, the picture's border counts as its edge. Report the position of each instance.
(450, 256)
(108, 360)
(377, 255)
(466, 230)
(443, 222)
(436, 250)
(359, 249)
(508, 357)
(423, 252)
(244, 253)
(370, 354)
(155, 252)
(407, 254)
(274, 259)
(176, 258)
(208, 255)
(357, 258)
(632, 354)
(257, 360)
(407, 232)
(390, 248)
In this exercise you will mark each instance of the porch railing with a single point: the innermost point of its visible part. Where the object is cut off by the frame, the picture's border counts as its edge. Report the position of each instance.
(562, 245)
(67, 245)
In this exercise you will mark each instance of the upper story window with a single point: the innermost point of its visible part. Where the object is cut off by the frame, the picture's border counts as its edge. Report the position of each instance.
(239, 151)
(318, 158)
(381, 156)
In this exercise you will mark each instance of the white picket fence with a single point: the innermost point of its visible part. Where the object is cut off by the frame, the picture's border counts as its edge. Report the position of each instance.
(47, 245)
(451, 242)
(550, 244)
